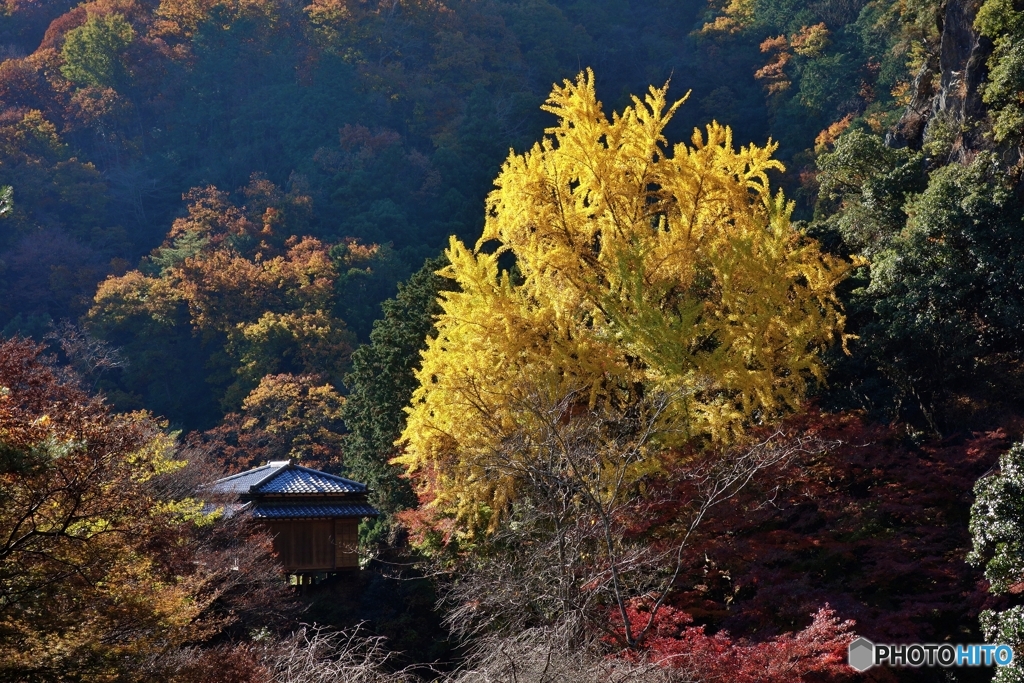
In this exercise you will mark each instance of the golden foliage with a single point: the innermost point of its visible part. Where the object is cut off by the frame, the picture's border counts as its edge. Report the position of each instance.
(901, 93)
(83, 593)
(224, 288)
(736, 16)
(301, 410)
(230, 274)
(328, 11)
(639, 267)
(810, 41)
(182, 18)
(120, 300)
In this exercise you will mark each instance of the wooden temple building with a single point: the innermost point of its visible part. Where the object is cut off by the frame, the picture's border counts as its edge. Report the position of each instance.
(312, 515)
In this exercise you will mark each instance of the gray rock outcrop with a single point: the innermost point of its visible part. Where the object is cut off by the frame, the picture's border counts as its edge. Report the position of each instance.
(955, 101)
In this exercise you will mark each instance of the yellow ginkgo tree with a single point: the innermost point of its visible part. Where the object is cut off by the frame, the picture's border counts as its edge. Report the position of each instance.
(613, 266)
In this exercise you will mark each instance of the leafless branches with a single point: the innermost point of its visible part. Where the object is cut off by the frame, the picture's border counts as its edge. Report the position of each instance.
(577, 544)
(310, 655)
(718, 478)
(316, 655)
(89, 358)
(539, 656)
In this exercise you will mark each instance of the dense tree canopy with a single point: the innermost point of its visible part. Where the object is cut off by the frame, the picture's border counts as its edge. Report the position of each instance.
(258, 302)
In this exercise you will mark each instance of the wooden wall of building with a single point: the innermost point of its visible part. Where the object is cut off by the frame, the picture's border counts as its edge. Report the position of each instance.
(346, 543)
(316, 545)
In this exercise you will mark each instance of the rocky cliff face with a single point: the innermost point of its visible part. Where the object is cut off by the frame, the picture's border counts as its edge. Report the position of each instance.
(947, 90)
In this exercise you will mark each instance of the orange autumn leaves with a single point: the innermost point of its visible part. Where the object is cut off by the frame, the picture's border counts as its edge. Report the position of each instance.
(809, 41)
(266, 300)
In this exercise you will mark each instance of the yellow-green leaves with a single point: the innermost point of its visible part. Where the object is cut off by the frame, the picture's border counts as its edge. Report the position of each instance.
(639, 267)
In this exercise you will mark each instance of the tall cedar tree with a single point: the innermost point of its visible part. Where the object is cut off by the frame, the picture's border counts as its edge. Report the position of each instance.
(381, 385)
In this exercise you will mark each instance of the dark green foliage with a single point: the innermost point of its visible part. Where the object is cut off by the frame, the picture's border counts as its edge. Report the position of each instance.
(363, 284)
(858, 53)
(943, 297)
(997, 526)
(171, 372)
(182, 247)
(955, 273)
(1002, 21)
(863, 186)
(997, 522)
(381, 384)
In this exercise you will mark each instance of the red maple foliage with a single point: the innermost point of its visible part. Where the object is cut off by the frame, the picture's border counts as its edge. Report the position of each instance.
(875, 526)
(818, 652)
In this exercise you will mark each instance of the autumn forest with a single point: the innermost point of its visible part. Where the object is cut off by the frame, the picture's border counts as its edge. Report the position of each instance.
(676, 340)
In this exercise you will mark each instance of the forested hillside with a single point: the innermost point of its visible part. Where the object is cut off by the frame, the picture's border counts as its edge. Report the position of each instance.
(676, 340)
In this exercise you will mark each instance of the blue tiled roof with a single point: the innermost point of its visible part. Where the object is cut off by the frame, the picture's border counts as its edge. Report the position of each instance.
(302, 510)
(296, 479)
(284, 477)
(242, 482)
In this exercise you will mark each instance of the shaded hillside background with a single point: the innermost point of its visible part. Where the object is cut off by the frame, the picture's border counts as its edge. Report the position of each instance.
(392, 118)
(222, 209)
